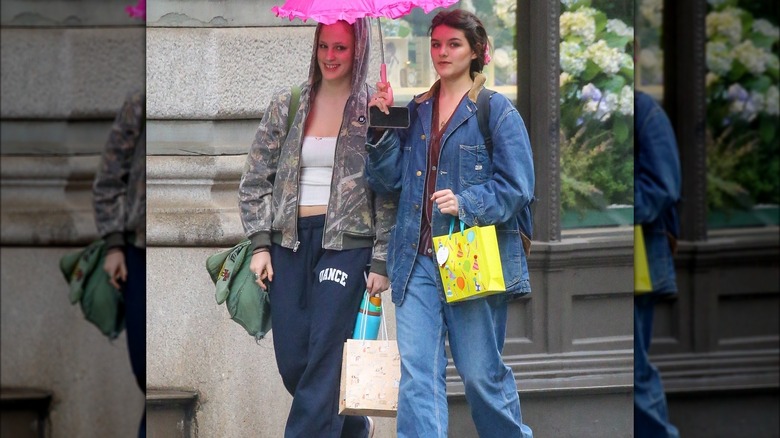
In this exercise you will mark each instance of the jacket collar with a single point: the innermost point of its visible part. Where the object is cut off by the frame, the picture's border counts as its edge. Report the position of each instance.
(479, 81)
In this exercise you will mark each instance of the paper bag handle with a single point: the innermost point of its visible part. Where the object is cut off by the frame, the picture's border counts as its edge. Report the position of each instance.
(364, 321)
(452, 225)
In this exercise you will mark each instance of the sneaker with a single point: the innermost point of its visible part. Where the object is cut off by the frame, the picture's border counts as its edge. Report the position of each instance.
(370, 427)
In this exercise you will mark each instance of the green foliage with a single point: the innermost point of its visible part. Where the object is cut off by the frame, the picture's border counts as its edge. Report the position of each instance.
(597, 123)
(578, 155)
(742, 106)
(725, 153)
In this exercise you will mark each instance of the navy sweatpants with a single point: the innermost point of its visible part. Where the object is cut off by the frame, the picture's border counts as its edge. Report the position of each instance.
(134, 292)
(315, 297)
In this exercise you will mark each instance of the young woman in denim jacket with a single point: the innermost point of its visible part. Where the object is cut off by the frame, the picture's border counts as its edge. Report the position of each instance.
(657, 190)
(119, 201)
(442, 169)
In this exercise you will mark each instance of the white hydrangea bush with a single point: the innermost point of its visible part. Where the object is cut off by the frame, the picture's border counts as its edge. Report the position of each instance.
(742, 69)
(597, 106)
(742, 106)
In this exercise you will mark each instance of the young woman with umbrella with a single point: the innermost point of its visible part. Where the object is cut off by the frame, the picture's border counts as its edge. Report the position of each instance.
(442, 169)
(315, 226)
(119, 201)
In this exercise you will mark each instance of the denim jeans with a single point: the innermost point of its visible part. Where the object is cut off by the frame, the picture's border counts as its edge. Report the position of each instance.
(476, 331)
(651, 419)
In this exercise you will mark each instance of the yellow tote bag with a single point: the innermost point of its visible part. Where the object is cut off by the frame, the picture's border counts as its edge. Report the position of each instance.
(642, 283)
(469, 263)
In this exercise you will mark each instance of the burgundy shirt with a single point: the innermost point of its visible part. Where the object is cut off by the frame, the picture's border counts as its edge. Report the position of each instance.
(425, 246)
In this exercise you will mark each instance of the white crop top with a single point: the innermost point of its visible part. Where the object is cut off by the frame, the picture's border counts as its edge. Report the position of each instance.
(317, 154)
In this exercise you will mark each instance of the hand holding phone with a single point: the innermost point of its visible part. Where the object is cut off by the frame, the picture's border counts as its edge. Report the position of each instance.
(383, 98)
(381, 113)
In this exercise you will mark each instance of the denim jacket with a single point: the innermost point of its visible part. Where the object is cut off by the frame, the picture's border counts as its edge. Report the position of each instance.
(489, 191)
(657, 185)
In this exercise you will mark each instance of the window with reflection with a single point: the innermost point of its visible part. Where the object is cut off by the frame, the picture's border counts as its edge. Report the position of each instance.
(742, 139)
(650, 56)
(407, 49)
(597, 113)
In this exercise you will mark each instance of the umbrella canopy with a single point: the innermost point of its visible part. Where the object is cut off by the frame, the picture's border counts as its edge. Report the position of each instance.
(325, 12)
(331, 11)
(399, 8)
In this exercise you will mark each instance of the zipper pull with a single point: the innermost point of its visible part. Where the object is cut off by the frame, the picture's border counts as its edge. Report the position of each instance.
(297, 244)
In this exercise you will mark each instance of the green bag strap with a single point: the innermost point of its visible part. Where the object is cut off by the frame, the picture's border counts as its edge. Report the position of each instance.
(483, 119)
(295, 103)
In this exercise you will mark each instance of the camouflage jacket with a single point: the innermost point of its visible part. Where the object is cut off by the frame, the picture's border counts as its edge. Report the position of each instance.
(119, 190)
(268, 193)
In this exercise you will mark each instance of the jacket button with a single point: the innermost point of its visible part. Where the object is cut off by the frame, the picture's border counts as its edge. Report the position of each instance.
(422, 137)
(414, 245)
(419, 173)
(416, 206)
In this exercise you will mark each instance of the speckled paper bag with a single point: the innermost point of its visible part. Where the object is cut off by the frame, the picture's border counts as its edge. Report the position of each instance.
(370, 374)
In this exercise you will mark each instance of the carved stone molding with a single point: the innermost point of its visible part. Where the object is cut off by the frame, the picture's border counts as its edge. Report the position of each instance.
(206, 13)
(728, 296)
(564, 371)
(692, 372)
(47, 200)
(71, 13)
(200, 137)
(193, 200)
(54, 137)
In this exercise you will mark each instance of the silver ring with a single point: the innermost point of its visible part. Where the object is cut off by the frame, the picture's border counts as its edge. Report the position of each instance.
(257, 275)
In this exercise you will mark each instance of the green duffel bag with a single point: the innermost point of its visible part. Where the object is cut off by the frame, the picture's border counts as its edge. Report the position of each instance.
(247, 303)
(101, 303)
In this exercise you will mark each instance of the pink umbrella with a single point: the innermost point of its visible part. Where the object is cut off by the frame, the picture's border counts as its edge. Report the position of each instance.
(137, 11)
(331, 11)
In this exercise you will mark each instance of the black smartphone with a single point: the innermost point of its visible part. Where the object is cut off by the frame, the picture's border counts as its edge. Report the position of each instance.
(398, 117)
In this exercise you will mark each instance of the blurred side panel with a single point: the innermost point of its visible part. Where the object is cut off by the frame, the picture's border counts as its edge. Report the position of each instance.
(66, 67)
(717, 341)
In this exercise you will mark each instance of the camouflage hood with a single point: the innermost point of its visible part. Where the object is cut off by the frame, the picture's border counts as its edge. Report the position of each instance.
(362, 33)
(268, 193)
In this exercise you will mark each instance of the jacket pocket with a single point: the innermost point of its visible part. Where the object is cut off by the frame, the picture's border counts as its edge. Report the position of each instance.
(475, 167)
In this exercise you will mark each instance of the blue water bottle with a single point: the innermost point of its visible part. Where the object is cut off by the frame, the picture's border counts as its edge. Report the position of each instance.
(368, 318)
